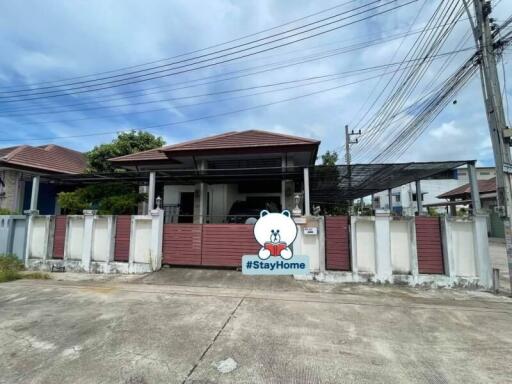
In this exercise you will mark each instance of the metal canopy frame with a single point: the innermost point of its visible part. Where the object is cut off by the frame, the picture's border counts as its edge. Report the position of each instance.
(328, 184)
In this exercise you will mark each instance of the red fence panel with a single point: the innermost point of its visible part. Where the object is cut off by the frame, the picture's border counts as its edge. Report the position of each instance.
(182, 244)
(59, 236)
(224, 245)
(429, 245)
(122, 241)
(337, 243)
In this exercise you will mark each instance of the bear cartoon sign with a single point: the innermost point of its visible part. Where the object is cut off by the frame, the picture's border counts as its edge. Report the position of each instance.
(275, 232)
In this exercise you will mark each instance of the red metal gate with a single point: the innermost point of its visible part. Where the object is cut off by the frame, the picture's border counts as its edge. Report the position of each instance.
(59, 236)
(429, 245)
(122, 241)
(337, 243)
(182, 244)
(215, 245)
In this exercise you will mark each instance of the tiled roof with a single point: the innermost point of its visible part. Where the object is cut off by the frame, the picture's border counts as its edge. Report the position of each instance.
(227, 141)
(45, 158)
(484, 186)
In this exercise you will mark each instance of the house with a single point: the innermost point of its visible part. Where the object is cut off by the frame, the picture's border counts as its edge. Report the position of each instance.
(404, 197)
(461, 197)
(228, 159)
(19, 163)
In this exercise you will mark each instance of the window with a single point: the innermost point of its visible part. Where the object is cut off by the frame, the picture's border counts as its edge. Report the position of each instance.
(397, 198)
(2, 187)
(484, 173)
(414, 197)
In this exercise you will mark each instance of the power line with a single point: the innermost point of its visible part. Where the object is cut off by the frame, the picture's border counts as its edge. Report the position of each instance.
(212, 64)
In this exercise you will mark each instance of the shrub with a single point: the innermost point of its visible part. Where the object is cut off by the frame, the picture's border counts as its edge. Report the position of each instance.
(36, 275)
(5, 211)
(10, 262)
(9, 276)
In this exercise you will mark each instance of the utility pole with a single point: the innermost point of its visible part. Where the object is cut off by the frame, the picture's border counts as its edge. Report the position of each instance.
(500, 133)
(348, 158)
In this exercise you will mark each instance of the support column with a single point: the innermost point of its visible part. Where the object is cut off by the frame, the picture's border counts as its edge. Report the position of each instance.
(473, 183)
(419, 203)
(283, 183)
(35, 193)
(307, 211)
(151, 191)
(157, 229)
(202, 202)
(390, 199)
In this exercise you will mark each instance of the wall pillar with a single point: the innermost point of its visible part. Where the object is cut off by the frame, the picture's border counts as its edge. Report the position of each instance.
(307, 210)
(151, 191)
(35, 193)
(473, 183)
(383, 264)
(390, 200)
(157, 229)
(87, 239)
(419, 203)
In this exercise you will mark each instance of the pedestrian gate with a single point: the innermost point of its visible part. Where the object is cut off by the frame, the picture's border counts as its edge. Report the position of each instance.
(337, 243)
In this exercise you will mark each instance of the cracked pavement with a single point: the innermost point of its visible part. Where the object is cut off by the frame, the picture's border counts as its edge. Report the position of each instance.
(176, 325)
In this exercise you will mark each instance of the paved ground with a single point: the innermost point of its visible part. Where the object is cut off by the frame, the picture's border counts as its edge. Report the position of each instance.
(179, 325)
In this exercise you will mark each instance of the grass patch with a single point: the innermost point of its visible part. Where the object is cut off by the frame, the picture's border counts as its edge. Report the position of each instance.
(12, 268)
(35, 275)
(6, 276)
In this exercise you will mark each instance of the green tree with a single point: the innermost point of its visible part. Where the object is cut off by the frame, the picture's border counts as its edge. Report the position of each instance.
(126, 143)
(110, 198)
(330, 158)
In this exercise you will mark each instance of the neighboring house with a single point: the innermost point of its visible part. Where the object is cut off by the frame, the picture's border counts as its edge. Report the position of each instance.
(461, 197)
(232, 199)
(17, 166)
(404, 197)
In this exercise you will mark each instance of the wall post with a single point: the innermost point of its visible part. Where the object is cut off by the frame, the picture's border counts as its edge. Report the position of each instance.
(87, 239)
(473, 183)
(481, 244)
(157, 231)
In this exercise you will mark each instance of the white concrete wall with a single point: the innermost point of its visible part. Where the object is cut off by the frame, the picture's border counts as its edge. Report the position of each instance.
(140, 244)
(74, 238)
(39, 233)
(401, 251)
(312, 246)
(101, 239)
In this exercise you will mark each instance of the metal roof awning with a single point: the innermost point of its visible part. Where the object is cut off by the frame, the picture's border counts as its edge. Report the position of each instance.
(328, 184)
(332, 184)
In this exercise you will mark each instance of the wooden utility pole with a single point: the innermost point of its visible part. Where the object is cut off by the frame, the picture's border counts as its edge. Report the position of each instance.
(500, 133)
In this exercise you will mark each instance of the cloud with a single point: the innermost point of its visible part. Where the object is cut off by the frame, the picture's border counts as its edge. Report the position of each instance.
(52, 40)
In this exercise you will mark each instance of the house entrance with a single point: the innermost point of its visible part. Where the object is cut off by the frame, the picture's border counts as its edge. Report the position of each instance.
(186, 213)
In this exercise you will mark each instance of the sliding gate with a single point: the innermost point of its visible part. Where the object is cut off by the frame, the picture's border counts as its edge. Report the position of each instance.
(215, 245)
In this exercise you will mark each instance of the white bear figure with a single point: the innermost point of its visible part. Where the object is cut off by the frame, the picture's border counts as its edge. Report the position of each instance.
(275, 232)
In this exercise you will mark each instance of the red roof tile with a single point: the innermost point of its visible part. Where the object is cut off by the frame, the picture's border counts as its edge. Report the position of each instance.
(484, 186)
(226, 141)
(45, 158)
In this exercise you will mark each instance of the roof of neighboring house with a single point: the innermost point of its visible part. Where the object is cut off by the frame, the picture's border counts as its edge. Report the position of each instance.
(484, 186)
(44, 158)
(244, 141)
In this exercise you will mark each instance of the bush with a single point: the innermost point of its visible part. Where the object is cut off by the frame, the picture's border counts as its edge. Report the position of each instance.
(9, 276)
(10, 262)
(35, 275)
(5, 211)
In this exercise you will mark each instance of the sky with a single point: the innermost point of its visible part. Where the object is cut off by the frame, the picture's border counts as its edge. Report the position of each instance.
(48, 41)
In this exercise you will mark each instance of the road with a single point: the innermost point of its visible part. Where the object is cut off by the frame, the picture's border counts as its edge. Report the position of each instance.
(204, 326)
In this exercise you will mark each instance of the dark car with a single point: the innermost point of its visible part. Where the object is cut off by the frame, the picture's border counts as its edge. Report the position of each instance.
(241, 210)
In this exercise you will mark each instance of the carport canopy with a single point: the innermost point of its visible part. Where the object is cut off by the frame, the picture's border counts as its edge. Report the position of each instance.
(328, 184)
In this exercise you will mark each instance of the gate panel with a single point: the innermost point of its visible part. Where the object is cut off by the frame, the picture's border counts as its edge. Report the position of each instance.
(337, 243)
(429, 245)
(59, 236)
(182, 244)
(225, 244)
(122, 242)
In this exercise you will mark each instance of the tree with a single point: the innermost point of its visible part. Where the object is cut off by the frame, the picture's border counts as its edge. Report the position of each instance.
(330, 158)
(110, 198)
(126, 143)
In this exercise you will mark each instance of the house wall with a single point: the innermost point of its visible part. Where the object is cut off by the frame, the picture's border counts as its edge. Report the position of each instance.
(12, 194)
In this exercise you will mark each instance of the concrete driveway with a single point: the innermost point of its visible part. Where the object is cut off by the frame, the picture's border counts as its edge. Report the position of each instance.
(193, 326)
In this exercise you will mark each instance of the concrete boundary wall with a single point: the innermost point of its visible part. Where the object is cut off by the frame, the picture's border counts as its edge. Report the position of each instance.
(13, 230)
(90, 242)
(383, 250)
